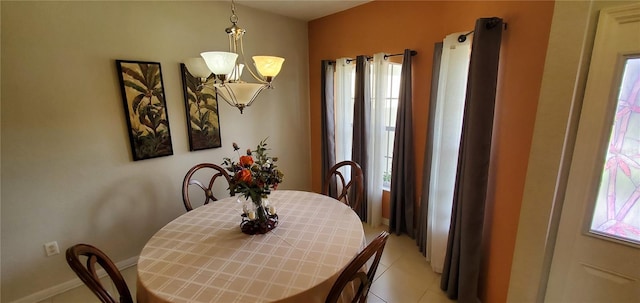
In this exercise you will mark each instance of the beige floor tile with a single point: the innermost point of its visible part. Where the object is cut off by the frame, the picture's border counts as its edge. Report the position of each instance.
(393, 289)
(82, 294)
(381, 269)
(396, 285)
(414, 264)
(404, 275)
(392, 252)
(435, 285)
(393, 249)
(372, 298)
(372, 232)
(435, 296)
(130, 276)
(78, 294)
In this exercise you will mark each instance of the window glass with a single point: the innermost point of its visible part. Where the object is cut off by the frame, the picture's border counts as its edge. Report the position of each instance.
(344, 114)
(617, 209)
(391, 108)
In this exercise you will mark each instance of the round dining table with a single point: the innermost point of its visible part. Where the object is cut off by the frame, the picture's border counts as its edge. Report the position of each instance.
(202, 256)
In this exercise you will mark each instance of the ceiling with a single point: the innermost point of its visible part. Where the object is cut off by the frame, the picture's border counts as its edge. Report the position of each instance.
(305, 10)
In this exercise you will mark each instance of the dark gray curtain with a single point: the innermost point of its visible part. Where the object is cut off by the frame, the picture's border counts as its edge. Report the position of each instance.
(403, 196)
(461, 271)
(361, 111)
(421, 230)
(328, 122)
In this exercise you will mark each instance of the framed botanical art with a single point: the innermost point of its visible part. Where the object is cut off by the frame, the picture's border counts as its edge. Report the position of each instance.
(145, 108)
(203, 122)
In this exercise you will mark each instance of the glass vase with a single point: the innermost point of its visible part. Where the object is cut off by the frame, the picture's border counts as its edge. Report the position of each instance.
(257, 219)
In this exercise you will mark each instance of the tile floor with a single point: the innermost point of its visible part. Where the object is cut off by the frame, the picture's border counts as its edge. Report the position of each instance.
(403, 276)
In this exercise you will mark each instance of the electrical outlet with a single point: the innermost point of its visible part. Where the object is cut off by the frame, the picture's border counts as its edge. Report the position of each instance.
(51, 248)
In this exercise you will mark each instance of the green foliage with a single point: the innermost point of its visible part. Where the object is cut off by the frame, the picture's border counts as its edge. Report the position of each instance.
(203, 110)
(264, 173)
(150, 113)
(386, 177)
(149, 106)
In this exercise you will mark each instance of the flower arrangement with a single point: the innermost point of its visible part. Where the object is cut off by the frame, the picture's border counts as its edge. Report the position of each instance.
(254, 176)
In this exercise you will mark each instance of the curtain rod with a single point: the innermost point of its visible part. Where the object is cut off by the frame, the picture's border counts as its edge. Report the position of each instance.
(491, 24)
(413, 53)
(463, 37)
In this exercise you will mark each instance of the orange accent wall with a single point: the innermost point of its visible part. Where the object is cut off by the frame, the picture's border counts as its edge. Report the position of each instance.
(386, 212)
(392, 26)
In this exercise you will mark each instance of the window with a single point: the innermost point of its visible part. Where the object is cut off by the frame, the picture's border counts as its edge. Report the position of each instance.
(390, 110)
(344, 101)
(617, 209)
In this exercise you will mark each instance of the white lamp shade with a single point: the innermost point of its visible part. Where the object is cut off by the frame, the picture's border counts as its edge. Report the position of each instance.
(268, 66)
(220, 63)
(244, 93)
(235, 73)
(197, 67)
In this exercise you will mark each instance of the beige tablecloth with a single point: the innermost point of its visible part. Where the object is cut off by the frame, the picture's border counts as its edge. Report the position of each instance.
(202, 256)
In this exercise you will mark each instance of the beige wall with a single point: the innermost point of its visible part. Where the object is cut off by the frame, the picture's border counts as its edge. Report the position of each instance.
(67, 171)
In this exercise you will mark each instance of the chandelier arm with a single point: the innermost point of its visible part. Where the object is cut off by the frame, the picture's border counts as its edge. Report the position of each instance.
(223, 98)
(234, 102)
(248, 66)
(232, 95)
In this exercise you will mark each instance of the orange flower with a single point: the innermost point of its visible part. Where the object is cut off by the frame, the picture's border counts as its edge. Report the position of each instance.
(244, 175)
(246, 161)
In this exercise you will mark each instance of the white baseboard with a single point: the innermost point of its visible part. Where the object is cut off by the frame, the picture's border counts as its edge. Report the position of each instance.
(71, 284)
(385, 221)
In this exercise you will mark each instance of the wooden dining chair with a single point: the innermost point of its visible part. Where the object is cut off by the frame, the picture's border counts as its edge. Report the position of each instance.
(354, 271)
(210, 169)
(87, 272)
(355, 185)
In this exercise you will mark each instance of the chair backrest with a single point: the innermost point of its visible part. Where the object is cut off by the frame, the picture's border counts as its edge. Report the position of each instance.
(87, 272)
(354, 271)
(216, 171)
(355, 184)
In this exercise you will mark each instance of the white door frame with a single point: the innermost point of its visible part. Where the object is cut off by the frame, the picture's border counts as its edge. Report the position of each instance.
(564, 79)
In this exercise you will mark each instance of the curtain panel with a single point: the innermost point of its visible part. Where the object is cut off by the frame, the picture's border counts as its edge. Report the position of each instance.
(343, 109)
(328, 123)
(461, 272)
(402, 196)
(421, 230)
(380, 74)
(361, 127)
(447, 129)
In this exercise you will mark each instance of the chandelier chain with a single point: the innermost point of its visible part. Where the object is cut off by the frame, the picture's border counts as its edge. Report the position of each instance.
(234, 17)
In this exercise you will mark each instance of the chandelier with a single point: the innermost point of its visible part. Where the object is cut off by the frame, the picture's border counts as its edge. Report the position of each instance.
(227, 69)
